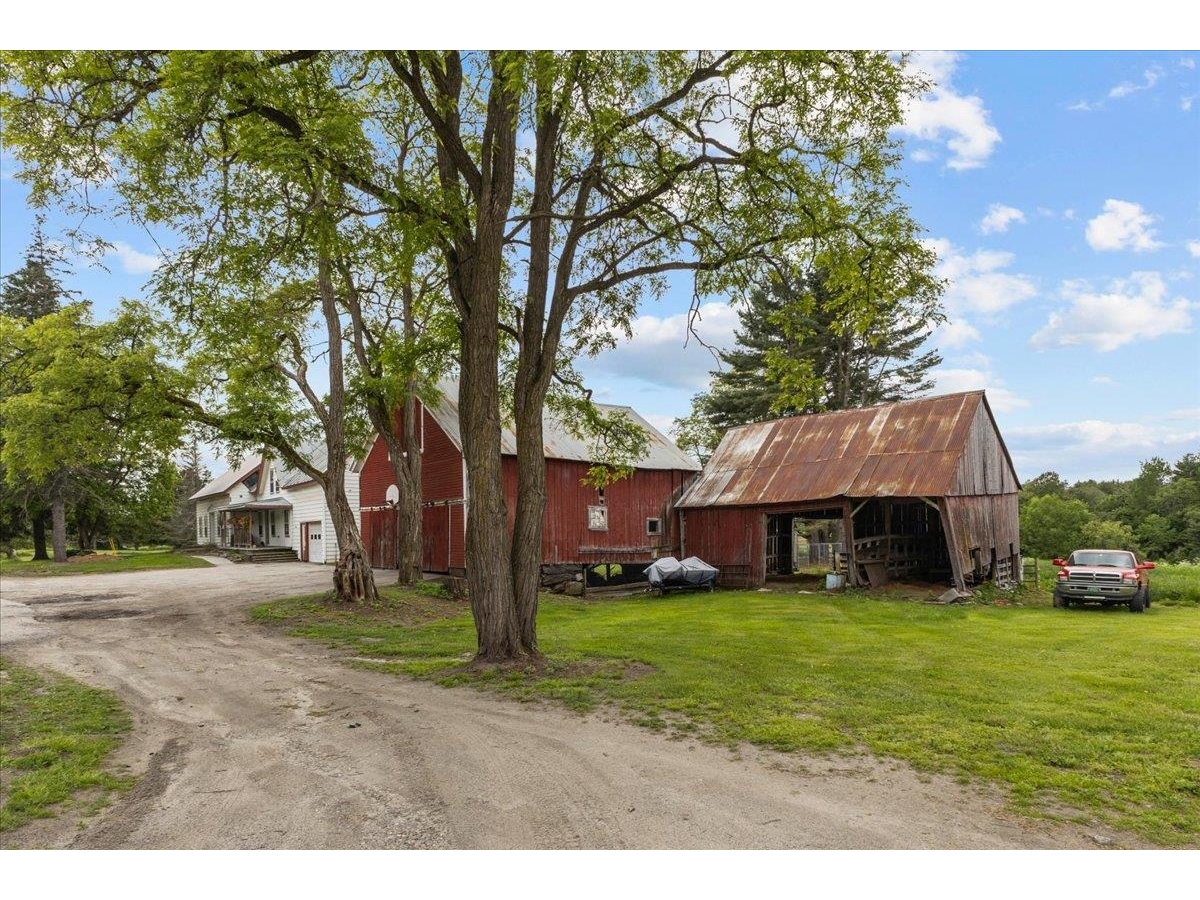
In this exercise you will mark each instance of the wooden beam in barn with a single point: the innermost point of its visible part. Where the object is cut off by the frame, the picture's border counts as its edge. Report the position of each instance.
(952, 545)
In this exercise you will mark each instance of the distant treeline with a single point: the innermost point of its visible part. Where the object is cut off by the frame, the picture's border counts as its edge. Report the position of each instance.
(1155, 514)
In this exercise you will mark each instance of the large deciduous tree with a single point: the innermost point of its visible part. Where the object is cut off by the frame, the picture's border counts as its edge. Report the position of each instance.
(87, 416)
(558, 189)
(32, 291)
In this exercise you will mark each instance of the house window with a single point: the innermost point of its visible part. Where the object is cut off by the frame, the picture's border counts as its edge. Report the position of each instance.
(272, 524)
(199, 527)
(260, 526)
(274, 483)
(287, 516)
(654, 526)
(597, 518)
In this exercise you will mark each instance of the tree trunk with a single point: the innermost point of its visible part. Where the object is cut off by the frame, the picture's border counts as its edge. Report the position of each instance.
(474, 269)
(408, 479)
(58, 524)
(531, 506)
(87, 539)
(39, 536)
(489, 571)
(353, 579)
(536, 364)
(352, 576)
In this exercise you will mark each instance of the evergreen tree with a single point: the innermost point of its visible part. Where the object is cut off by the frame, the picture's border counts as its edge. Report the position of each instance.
(193, 475)
(797, 352)
(35, 289)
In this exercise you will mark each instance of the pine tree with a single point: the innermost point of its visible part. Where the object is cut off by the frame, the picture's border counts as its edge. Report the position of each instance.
(797, 353)
(35, 289)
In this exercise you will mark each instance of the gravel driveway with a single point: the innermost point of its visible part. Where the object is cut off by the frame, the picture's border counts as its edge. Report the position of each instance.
(247, 738)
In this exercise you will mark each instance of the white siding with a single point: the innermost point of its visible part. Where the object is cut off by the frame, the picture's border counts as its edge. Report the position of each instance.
(206, 531)
(308, 505)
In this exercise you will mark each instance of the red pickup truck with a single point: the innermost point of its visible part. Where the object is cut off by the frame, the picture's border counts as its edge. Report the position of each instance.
(1103, 576)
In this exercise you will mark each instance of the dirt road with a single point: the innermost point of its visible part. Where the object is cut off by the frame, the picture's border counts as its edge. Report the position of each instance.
(246, 738)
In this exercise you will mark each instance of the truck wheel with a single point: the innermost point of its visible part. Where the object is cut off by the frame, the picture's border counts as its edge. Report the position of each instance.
(1147, 596)
(1138, 603)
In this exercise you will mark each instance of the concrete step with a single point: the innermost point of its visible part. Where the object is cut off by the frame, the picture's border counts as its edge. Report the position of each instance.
(270, 554)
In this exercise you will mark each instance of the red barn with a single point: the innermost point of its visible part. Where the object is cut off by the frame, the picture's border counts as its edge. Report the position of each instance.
(921, 489)
(630, 521)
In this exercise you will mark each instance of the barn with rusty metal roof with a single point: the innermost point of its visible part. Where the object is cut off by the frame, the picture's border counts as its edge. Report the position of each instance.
(922, 489)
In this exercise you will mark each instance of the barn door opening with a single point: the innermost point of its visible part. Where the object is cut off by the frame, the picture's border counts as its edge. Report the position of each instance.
(804, 545)
(899, 539)
(779, 544)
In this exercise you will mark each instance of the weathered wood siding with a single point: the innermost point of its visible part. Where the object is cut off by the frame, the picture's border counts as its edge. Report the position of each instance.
(566, 538)
(730, 539)
(985, 523)
(983, 466)
(442, 498)
(441, 467)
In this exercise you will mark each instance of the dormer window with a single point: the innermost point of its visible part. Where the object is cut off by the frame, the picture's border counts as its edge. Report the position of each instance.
(274, 482)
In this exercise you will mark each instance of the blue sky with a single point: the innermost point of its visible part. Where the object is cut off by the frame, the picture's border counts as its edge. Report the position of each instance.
(1062, 193)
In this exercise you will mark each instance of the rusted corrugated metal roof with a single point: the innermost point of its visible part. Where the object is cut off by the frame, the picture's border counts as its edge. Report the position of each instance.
(559, 442)
(908, 449)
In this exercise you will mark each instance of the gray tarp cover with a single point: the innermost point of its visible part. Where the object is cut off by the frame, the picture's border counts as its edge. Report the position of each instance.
(670, 572)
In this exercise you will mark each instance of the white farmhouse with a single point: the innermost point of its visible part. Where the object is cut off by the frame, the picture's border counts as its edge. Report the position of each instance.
(269, 511)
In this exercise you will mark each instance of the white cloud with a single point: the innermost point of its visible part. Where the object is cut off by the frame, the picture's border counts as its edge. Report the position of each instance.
(1194, 248)
(1133, 308)
(656, 352)
(978, 377)
(659, 421)
(1069, 215)
(954, 334)
(1185, 103)
(1096, 448)
(132, 261)
(922, 155)
(1187, 63)
(946, 116)
(1104, 380)
(1084, 106)
(977, 283)
(1150, 78)
(1122, 226)
(999, 218)
(1096, 436)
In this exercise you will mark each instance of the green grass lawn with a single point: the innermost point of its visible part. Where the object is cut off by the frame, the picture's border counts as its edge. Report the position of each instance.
(1083, 714)
(111, 561)
(55, 735)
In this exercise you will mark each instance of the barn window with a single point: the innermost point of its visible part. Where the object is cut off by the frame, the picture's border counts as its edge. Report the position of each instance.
(597, 518)
(601, 493)
(654, 526)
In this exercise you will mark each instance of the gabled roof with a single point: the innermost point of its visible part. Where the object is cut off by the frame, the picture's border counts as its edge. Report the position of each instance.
(223, 483)
(908, 449)
(314, 451)
(559, 442)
